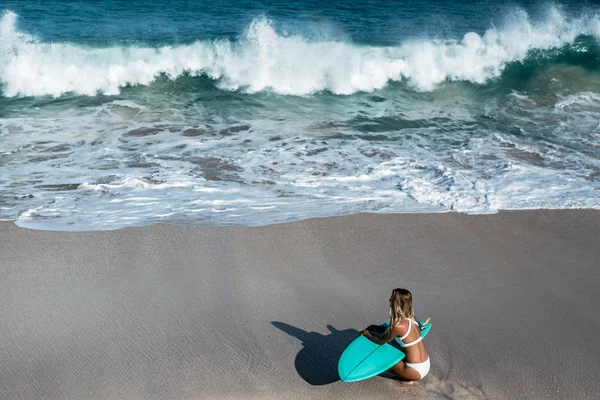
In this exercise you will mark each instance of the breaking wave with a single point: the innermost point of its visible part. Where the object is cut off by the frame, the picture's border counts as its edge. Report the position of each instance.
(263, 59)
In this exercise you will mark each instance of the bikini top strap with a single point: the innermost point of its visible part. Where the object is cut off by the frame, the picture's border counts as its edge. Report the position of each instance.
(409, 328)
(413, 342)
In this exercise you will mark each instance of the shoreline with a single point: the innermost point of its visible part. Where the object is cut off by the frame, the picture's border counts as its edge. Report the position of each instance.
(196, 311)
(184, 225)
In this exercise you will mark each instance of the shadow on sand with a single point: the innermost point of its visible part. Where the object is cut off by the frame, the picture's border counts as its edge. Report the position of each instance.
(317, 361)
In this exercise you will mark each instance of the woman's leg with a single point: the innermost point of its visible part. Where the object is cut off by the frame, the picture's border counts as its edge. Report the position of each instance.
(405, 373)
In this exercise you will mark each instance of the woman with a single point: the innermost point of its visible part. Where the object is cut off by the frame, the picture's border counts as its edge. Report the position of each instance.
(405, 329)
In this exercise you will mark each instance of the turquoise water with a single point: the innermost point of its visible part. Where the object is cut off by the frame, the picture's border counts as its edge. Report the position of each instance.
(115, 114)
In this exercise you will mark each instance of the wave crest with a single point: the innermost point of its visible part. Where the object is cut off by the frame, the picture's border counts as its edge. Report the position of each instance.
(265, 60)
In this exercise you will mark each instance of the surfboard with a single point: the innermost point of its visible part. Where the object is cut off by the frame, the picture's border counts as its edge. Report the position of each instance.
(364, 359)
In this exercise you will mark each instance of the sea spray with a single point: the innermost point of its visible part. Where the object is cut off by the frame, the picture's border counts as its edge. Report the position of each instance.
(275, 124)
(265, 60)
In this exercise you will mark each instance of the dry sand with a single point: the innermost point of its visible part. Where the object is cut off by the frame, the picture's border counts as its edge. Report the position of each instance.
(173, 312)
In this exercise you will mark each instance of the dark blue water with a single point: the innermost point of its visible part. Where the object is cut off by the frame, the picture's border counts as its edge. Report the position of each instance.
(374, 22)
(184, 21)
(117, 113)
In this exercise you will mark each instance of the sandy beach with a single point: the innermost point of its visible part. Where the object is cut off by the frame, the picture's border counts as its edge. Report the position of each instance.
(194, 312)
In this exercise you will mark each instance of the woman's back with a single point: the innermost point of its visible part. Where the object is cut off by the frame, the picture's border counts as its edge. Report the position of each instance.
(410, 341)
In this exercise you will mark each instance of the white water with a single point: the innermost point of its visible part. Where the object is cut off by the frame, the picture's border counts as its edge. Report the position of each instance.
(94, 163)
(279, 171)
(265, 60)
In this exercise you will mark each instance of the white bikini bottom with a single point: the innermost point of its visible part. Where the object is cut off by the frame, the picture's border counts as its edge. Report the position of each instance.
(422, 367)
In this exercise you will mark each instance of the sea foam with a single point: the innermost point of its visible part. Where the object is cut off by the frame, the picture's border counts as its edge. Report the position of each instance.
(263, 59)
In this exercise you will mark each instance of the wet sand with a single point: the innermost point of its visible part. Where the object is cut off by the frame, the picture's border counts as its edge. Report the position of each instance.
(180, 312)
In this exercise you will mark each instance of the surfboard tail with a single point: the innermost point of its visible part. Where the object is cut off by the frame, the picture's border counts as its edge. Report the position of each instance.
(425, 323)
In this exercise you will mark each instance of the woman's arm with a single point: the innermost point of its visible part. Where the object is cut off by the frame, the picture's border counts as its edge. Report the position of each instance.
(387, 336)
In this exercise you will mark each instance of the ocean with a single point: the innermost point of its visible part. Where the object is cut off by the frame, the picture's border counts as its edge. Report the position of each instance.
(131, 113)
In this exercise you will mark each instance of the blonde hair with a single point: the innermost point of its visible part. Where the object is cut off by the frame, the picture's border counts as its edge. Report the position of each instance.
(400, 306)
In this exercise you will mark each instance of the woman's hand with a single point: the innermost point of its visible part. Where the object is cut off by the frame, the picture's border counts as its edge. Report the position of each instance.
(383, 337)
(369, 336)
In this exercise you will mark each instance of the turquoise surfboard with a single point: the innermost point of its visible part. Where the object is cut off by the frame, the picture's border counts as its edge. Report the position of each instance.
(364, 359)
